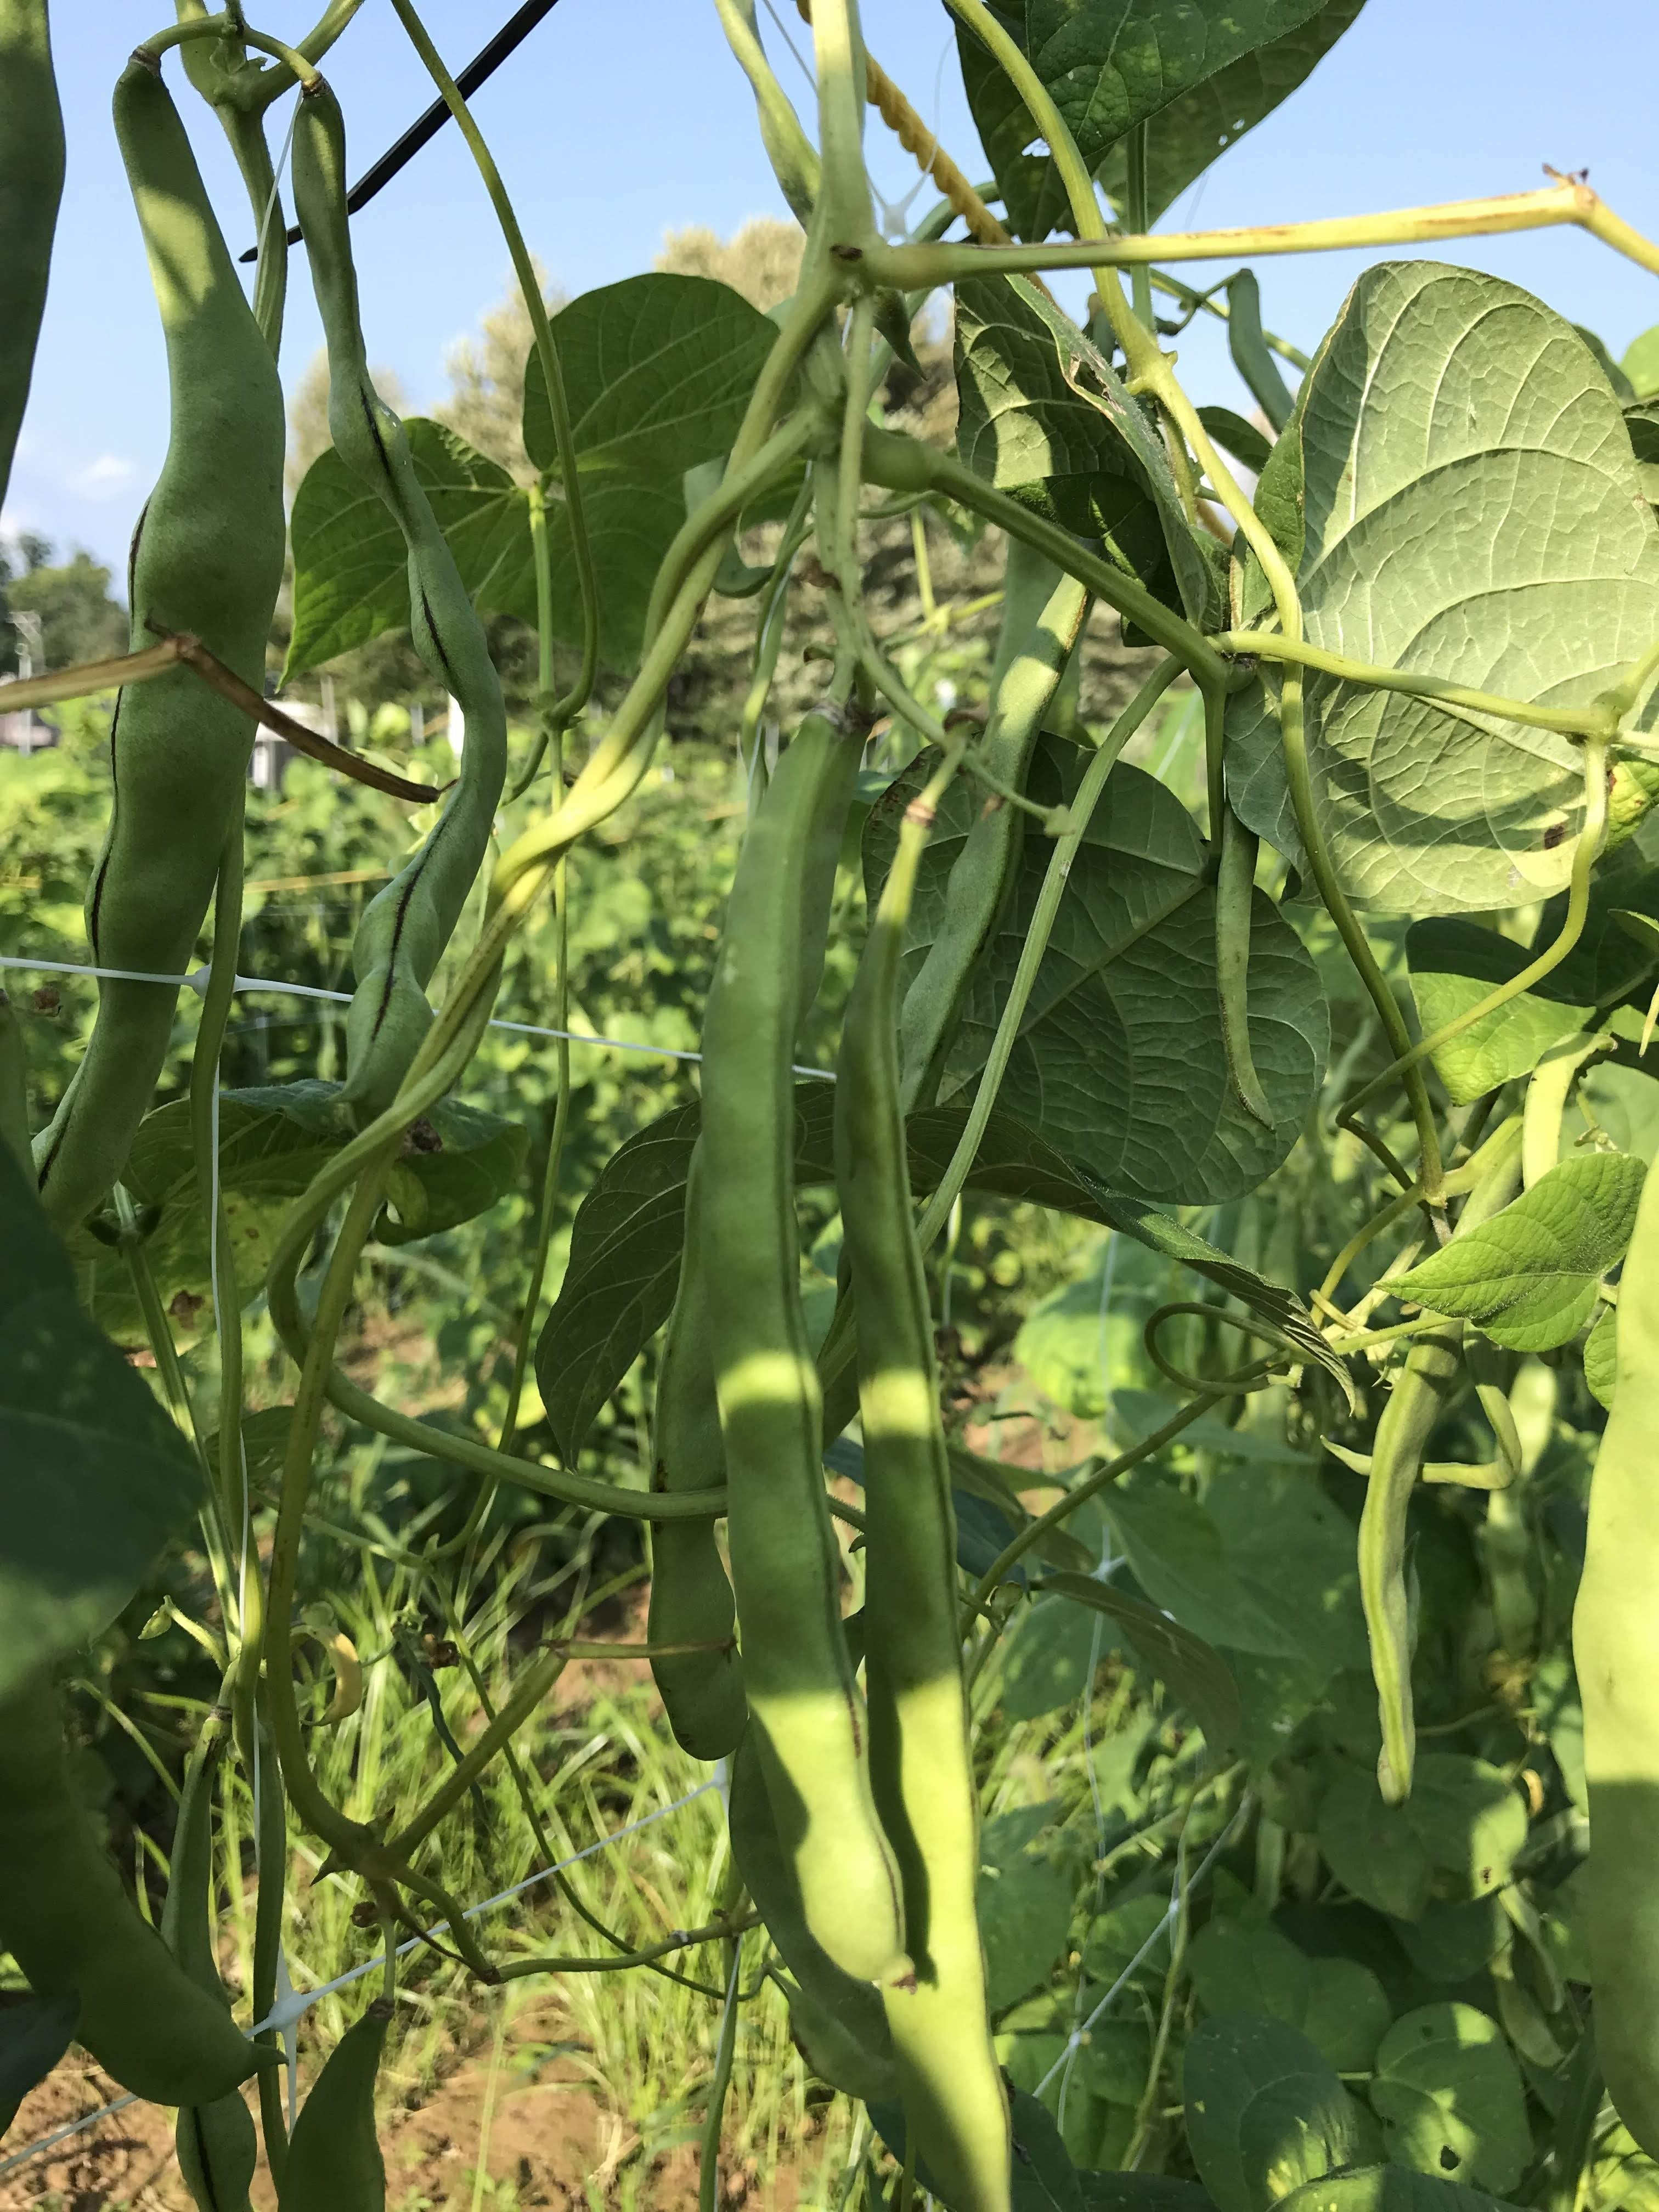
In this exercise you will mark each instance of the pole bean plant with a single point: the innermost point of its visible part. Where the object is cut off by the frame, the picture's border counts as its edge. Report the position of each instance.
(1349, 1056)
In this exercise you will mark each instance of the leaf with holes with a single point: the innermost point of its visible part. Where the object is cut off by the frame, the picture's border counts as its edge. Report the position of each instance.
(1528, 1277)
(1456, 496)
(1450, 2099)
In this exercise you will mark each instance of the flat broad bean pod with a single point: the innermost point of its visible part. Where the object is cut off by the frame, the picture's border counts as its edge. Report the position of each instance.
(1615, 1643)
(334, 2161)
(920, 1764)
(207, 557)
(786, 1568)
(1419, 1395)
(406, 927)
(71, 1927)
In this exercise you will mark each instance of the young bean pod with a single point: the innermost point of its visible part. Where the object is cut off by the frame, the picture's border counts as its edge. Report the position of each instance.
(405, 928)
(1234, 896)
(920, 1764)
(1043, 619)
(804, 1704)
(31, 185)
(1615, 1643)
(691, 1600)
(334, 2162)
(71, 1927)
(218, 2145)
(1415, 1404)
(207, 558)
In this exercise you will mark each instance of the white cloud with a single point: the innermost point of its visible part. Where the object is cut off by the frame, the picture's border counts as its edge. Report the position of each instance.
(103, 478)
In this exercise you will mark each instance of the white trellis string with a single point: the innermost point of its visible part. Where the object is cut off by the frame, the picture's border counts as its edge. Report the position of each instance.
(1172, 1913)
(196, 981)
(292, 2008)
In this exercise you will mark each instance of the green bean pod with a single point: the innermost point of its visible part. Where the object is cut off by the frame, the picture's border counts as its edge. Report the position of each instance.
(31, 186)
(1615, 1645)
(207, 558)
(406, 927)
(334, 2162)
(218, 2145)
(1234, 896)
(805, 1706)
(1431, 1374)
(920, 1764)
(1044, 619)
(71, 1927)
(692, 1599)
(841, 2021)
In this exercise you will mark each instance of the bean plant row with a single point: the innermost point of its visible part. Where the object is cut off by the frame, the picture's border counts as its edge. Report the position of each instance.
(1404, 947)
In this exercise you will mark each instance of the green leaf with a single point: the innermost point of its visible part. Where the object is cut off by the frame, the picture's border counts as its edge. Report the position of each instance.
(1107, 65)
(1121, 1066)
(1240, 439)
(1196, 129)
(1337, 2003)
(1293, 1550)
(1641, 363)
(1175, 1551)
(1528, 1277)
(272, 1139)
(1024, 1917)
(1454, 964)
(1450, 2097)
(618, 1286)
(1117, 1937)
(1601, 1358)
(350, 568)
(1081, 451)
(1189, 1669)
(1265, 2112)
(1045, 1664)
(657, 370)
(351, 575)
(1642, 420)
(1457, 1835)
(1457, 494)
(94, 1476)
(1389, 2189)
(34, 2034)
(1141, 2192)
(1454, 1942)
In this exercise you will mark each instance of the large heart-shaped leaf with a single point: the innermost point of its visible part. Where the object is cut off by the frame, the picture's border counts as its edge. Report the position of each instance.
(1107, 64)
(618, 1286)
(657, 371)
(1337, 2003)
(1457, 494)
(1120, 1063)
(1387, 2189)
(1194, 129)
(94, 1476)
(350, 570)
(1456, 1835)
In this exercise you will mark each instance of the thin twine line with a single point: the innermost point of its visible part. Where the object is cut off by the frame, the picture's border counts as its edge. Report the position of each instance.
(290, 2010)
(196, 981)
(1171, 1914)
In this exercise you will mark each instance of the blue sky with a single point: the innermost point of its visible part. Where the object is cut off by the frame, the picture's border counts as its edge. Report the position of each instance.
(620, 118)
